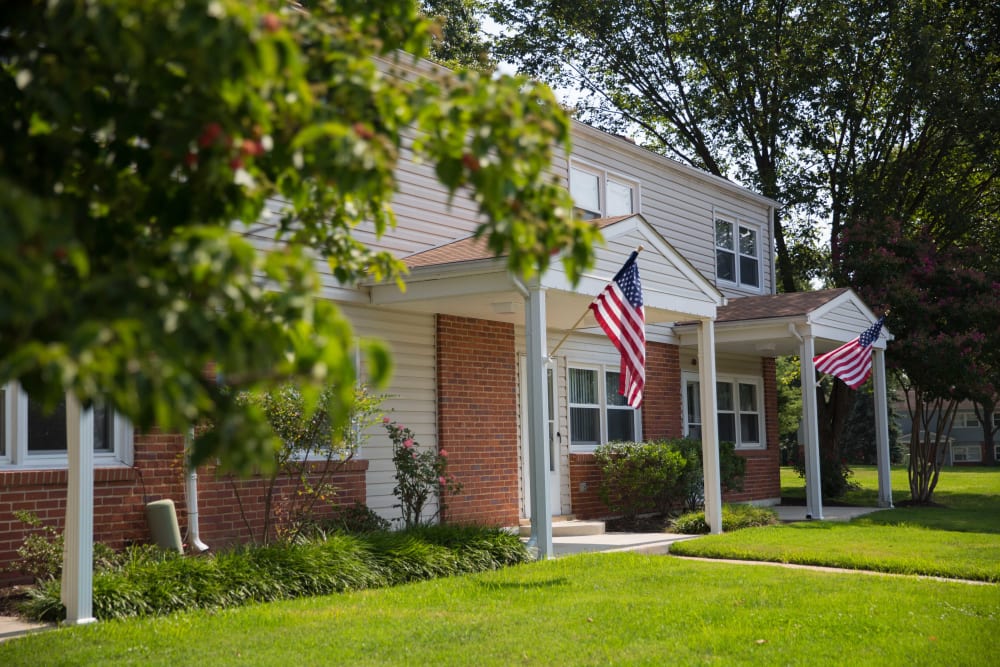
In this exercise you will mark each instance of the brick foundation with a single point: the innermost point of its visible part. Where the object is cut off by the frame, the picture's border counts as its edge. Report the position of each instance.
(121, 494)
(477, 423)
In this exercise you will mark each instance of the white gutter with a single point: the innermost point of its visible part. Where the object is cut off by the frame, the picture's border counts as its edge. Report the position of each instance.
(193, 537)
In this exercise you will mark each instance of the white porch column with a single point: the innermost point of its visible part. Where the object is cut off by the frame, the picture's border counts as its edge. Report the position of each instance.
(810, 428)
(78, 553)
(538, 448)
(709, 426)
(884, 457)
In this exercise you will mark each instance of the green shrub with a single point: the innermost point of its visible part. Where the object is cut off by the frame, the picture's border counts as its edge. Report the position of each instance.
(734, 517)
(731, 470)
(146, 583)
(638, 476)
(660, 475)
(355, 519)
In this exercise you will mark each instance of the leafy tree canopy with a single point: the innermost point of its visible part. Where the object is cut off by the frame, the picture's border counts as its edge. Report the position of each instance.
(141, 139)
(840, 110)
(457, 40)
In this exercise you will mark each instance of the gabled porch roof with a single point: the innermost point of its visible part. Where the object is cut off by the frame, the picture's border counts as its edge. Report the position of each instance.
(774, 324)
(463, 278)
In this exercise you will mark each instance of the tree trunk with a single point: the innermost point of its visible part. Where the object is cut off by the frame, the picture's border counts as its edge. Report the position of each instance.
(832, 415)
(932, 422)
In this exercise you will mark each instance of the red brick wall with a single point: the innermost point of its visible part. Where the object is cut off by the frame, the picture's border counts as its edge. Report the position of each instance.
(585, 480)
(661, 410)
(121, 494)
(661, 418)
(762, 480)
(477, 424)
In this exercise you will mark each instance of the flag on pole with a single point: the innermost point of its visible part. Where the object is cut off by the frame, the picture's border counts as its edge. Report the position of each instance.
(620, 313)
(852, 361)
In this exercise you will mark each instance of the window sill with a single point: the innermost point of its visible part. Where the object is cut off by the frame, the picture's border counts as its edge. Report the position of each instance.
(34, 476)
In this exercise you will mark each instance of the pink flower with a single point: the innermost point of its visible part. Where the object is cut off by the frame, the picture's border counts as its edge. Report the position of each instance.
(442, 481)
(443, 452)
(385, 420)
(408, 443)
(413, 453)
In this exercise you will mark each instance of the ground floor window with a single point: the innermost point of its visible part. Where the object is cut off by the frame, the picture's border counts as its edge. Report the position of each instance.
(966, 453)
(597, 412)
(740, 417)
(33, 438)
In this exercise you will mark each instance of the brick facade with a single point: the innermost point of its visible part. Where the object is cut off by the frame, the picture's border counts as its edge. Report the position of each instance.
(661, 411)
(121, 494)
(662, 419)
(477, 418)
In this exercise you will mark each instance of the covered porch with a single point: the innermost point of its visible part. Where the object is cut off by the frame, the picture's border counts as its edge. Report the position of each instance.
(807, 324)
(463, 279)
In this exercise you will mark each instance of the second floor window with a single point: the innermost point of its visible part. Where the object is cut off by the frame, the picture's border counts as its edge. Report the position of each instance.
(598, 194)
(737, 253)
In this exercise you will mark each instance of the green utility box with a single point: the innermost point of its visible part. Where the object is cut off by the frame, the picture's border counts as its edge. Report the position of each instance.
(162, 518)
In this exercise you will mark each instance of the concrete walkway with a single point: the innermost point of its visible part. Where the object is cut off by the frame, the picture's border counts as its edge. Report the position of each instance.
(650, 543)
(15, 627)
(659, 543)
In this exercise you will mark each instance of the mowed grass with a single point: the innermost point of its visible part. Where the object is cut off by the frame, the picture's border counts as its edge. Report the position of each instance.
(592, 609)
(958, 538)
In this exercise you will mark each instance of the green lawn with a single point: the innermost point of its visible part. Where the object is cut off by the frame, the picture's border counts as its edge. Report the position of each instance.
(632, 609)
(591, 609)
(960, 538)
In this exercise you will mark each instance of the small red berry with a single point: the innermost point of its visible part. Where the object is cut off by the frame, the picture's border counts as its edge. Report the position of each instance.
(271, 22)
(209, 135)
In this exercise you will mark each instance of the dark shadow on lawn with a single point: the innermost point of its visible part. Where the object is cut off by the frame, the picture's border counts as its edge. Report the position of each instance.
(522, 585)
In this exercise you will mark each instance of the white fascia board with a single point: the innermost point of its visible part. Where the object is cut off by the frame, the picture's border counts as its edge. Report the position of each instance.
(442, 286)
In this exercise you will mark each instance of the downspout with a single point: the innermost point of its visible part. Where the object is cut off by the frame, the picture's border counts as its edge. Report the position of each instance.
(193, 537)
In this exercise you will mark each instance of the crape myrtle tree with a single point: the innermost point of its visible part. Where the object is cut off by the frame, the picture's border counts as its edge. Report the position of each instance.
(945, 315)
(141, 139)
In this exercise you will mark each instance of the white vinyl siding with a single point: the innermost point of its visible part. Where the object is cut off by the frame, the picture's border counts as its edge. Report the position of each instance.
(680, 202)
(412, 393)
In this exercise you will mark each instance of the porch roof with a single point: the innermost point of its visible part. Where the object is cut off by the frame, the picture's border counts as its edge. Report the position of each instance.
(464, 278)
(773, 324)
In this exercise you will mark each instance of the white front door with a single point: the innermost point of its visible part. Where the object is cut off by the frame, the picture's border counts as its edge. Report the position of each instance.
(551, 416)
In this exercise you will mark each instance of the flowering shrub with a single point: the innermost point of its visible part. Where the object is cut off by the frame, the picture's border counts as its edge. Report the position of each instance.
(419, 473)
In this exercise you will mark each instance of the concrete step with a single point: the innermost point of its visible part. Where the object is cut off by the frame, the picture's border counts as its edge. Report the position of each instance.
(570, 528)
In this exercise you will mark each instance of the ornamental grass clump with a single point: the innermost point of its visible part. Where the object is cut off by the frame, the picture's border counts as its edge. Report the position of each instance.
(156, 583)
(734, 517)
(421, 474)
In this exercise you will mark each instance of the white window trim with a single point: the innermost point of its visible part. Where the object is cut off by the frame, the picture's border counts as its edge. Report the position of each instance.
(735, 380)
(15, 436)
(964, 450)
(737, 222)
(602, 370)
(970, 420)
(603, 177)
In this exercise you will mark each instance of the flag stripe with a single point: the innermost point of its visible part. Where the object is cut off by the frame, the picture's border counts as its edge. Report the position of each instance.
(620, 313)
(852, 361)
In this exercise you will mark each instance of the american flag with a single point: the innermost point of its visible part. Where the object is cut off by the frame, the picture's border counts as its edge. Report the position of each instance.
(852, 361)
(620, 313)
